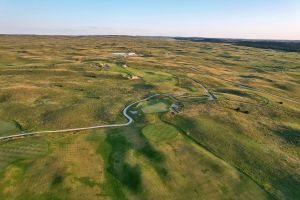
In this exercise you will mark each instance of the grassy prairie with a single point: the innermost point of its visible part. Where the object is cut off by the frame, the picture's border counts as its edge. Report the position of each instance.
(244, 145)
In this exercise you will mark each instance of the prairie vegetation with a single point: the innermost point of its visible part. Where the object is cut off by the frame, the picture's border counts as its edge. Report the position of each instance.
(244, 145)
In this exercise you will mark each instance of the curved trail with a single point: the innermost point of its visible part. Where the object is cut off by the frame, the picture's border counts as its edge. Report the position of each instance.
(248, 87)
(211, 97)
(130, 120)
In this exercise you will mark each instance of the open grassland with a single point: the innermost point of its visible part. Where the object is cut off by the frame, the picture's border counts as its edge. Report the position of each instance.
(244, 145)
(121, 164)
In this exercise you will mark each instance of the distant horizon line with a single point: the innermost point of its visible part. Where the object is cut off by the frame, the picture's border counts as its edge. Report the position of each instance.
(153, 36)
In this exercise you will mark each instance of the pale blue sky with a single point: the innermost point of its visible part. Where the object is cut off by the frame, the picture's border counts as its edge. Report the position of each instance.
(265, 19)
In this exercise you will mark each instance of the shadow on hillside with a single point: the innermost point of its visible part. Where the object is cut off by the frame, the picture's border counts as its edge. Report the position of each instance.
(126, 173)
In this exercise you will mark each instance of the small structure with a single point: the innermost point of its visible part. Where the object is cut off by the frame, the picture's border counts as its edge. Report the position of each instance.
(130, 54)
(175, 108)
(134, 77)
(131, 77)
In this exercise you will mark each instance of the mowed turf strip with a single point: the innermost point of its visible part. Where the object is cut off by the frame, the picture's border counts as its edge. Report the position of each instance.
(154, 106)
(159, 132)
(8, 128)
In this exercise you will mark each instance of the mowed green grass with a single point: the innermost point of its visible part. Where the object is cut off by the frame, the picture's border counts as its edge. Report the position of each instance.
(54, 167)
(153, 106)
(18, 151)
(8, 128)
(159, 132)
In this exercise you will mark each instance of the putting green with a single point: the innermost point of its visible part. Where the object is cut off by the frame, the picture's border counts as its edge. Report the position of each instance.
(159, 132)
(154, 106)
(8, 127)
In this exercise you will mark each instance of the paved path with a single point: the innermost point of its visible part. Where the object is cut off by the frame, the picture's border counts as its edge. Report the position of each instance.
(130, 120)
(250, 88)
(210, 95)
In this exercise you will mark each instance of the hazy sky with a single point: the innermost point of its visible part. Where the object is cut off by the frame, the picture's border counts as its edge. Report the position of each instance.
(265, 19)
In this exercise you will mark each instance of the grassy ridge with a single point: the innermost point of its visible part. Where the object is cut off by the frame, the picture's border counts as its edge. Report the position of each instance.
(247, 142)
